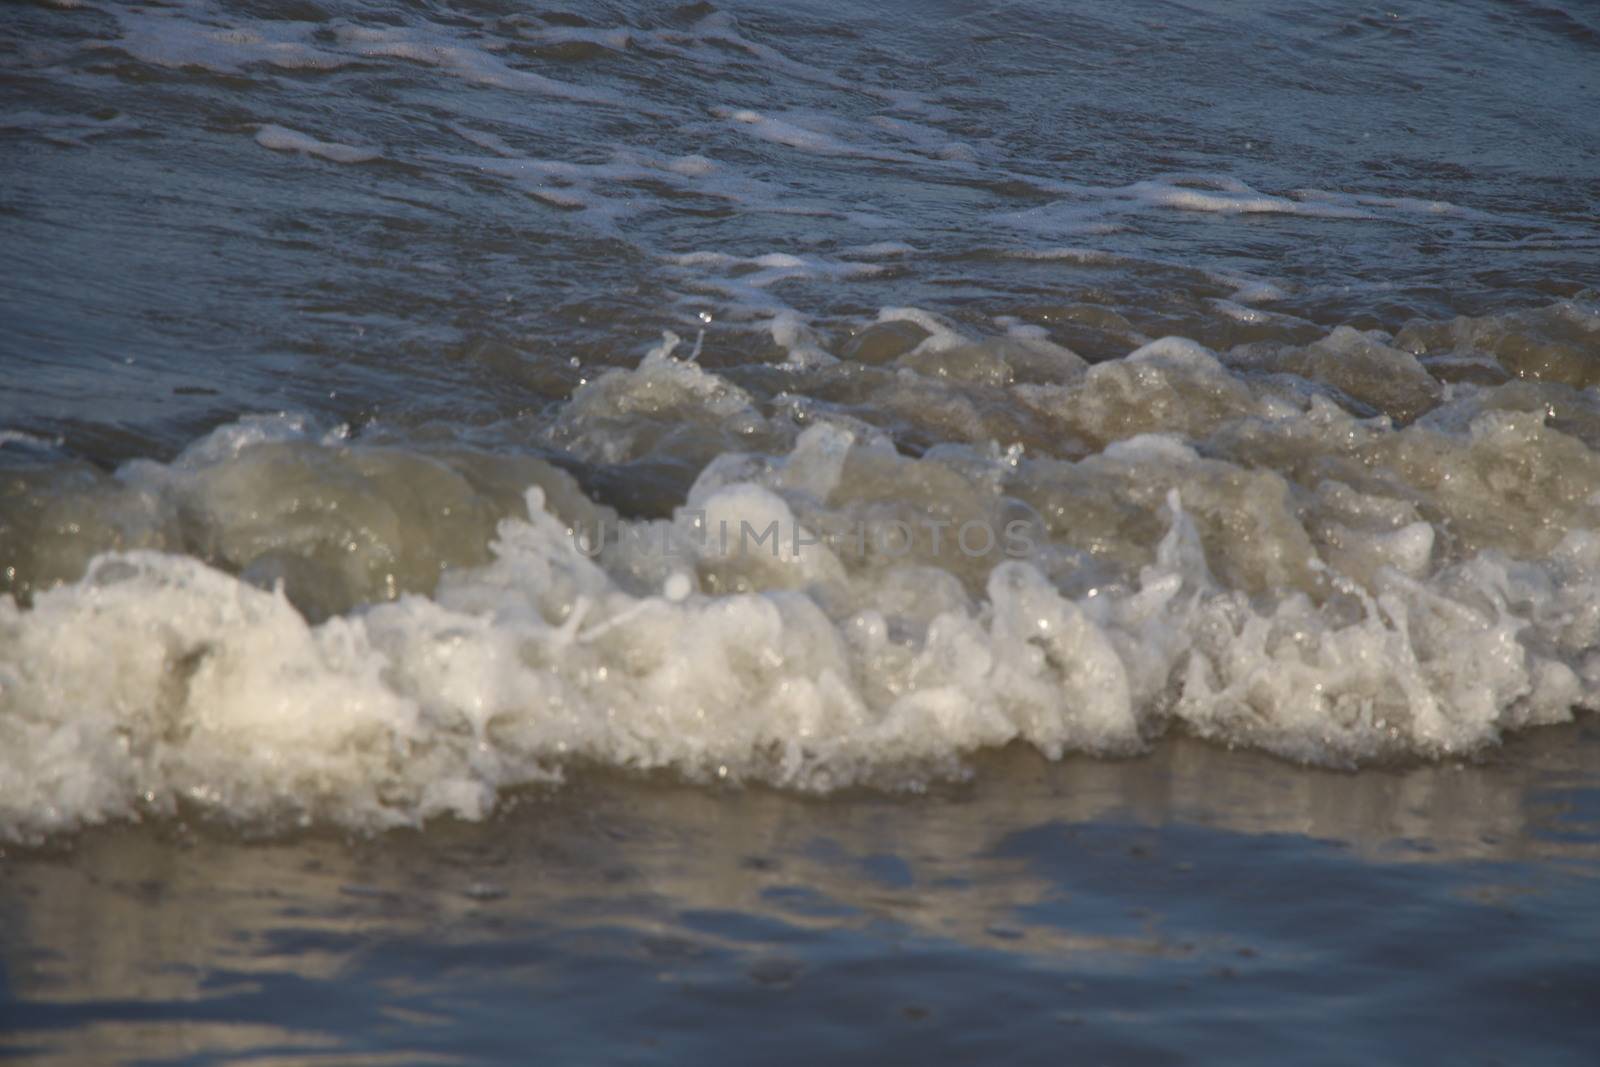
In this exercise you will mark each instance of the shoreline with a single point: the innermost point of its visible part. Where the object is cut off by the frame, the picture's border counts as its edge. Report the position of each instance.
(1039, 898)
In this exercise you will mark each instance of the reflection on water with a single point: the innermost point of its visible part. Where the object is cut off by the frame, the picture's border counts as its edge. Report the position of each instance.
(1122, 907)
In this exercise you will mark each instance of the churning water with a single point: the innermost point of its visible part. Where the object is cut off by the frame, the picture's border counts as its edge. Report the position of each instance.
(1201, 369)
(404, 404)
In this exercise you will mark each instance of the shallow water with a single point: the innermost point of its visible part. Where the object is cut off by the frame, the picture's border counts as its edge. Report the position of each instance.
(784, 413)
(1193, 903)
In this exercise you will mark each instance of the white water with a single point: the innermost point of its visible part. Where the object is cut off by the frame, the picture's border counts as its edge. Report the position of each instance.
(1230, 553)
(1277, 424)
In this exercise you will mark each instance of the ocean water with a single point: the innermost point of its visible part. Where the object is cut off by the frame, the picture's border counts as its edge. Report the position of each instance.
(601, 531)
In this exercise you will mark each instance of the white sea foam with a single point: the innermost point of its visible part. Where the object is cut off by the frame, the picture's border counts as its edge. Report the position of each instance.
(808, 133)
(173, 38)
(436, 47)
(27, 440)
(282, 139)
(1284, 587)
(1091, 209)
